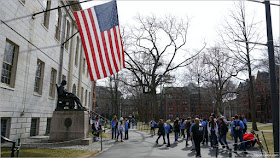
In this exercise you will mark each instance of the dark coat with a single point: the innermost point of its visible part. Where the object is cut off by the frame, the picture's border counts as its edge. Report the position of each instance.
(161, 130)
(176, 126)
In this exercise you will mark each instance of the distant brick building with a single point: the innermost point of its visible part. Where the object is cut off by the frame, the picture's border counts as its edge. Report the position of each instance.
(262, 98)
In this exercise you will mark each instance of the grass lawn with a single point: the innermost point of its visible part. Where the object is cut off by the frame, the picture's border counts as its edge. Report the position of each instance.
(104, 135)
(262, 128)
(38, 152)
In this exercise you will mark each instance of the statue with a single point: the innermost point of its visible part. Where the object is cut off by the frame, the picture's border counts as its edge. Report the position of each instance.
(64, 97)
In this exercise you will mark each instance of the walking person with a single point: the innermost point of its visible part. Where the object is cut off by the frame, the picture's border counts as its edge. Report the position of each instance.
(197, 133)
(244, 121)
(120, 130)
(187, 127)
(204, 124)
(237, 127)
(213, 131)
(114, 127)
(168, 130)
(161, 131)
(152, 125)
(183, 128)
(126, 126)
(223, 129)
(176, 129)
(193, 145)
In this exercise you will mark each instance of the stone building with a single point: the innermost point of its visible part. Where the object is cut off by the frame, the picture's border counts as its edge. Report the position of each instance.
(29, 74)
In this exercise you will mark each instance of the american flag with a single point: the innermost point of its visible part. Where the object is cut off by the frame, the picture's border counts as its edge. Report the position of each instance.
(101, 39)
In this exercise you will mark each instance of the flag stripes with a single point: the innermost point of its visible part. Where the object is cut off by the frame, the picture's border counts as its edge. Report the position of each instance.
(103, 50)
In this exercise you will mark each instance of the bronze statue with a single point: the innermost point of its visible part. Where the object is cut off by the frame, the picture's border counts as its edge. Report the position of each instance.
(64, 97)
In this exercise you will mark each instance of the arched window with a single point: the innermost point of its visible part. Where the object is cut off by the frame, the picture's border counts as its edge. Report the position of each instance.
(74, 89)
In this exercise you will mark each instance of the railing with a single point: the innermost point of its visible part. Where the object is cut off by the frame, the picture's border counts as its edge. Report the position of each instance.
(14, 147)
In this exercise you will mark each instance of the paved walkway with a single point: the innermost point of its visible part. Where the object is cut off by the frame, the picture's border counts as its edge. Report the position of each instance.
(141, 144)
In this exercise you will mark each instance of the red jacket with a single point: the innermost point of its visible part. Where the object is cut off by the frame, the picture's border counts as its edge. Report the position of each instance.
(249, 136)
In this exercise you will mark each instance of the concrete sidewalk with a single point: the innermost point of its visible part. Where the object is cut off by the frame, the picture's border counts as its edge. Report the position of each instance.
(141, 144)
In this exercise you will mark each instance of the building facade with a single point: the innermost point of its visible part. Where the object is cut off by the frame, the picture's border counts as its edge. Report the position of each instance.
(31, 69)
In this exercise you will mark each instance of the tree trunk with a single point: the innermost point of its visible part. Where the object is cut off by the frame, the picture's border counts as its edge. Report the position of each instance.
(154, 104)
(251, 89)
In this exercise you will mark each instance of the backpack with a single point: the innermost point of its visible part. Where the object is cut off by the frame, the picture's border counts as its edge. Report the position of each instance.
(200, 132)
(236, 127)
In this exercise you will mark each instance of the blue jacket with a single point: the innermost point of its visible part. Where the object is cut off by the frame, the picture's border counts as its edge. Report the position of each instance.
(191, 127)
(240, 124)
(245, 121)
(113, 124)
(183, 125)
(126, 126)
(204, 124)
(167, 128)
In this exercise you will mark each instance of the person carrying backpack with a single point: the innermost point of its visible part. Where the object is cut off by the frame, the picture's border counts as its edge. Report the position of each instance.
(223, 129)
(197, 133)
(237, 132)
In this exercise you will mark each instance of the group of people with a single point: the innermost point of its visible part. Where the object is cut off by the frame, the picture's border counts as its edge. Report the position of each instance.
(200, 130)
(118, 126)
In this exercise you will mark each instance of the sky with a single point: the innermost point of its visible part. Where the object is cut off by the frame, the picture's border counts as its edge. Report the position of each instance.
(205, 16)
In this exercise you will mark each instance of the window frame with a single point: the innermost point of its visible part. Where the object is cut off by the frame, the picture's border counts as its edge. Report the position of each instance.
(14, 64)
(46, 15)
(58, 24)
(40, 87)
(52, 82)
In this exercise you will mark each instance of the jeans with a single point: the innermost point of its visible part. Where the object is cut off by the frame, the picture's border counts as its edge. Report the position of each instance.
(126, 135)
(153, 132)
(205, 137)
(183, 132)
(168, 140)
(240, 136)
(114, 133)
(223, 140)
(213, 139)
(176, 136)
(120, 133)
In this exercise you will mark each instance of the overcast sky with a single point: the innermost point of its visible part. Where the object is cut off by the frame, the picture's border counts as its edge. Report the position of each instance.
(206, 16)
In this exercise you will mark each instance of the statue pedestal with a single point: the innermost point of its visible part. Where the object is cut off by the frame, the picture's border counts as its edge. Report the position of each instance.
(70, 125)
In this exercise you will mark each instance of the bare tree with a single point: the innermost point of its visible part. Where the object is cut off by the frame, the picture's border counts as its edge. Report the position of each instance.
(220, 68)
(155, 49)
(238, 26)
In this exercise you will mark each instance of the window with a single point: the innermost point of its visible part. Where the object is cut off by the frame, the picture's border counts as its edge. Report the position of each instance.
(58, 23)
(82, 95)
(67, 35)
(48, 128)
(9, 64)
(77, 51)
(5, 125)
(34, 130)
(52, 83)
(86, 98)
(46, 6)
(39, 77)
(84, 65)
(74, 89)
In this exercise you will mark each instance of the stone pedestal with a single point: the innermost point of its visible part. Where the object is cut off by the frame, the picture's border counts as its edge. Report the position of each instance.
(69, 125)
